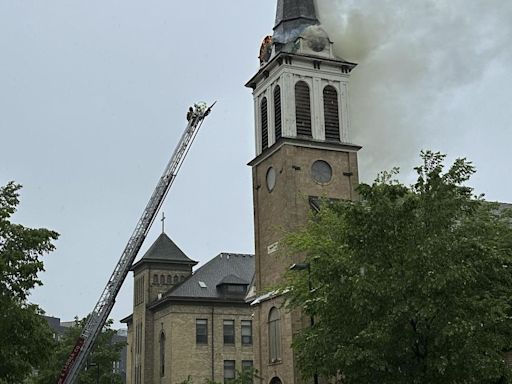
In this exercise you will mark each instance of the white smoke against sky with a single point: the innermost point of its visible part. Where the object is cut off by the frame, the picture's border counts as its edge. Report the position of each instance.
(412, 56)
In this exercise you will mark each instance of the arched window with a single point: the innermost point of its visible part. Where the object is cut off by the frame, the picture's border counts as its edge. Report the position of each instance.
(162, 279)
(169, 279)
(155, 279)
(182, 278)
(278, 123)
(303, 109)
(162, 354)
(331, 114)
(176, 279)
(274, 335)
(264, 124)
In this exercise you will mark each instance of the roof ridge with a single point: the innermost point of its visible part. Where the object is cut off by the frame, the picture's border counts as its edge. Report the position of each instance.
(235, 254)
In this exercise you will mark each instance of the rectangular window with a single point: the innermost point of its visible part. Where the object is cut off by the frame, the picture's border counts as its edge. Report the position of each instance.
(201, 331)
(229, 371)
(246, 332)
(247, 370)
(229, 331)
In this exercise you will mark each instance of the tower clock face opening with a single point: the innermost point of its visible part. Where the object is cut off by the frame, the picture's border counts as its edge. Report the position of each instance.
(271, 179)
(321, 172)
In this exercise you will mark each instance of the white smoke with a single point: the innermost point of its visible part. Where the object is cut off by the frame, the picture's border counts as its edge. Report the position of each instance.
(411, 54)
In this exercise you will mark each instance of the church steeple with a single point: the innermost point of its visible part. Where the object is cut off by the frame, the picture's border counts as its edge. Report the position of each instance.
(292, 17)
(301, 90)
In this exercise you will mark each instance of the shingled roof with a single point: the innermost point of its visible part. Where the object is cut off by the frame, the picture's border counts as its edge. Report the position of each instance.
(232, 280)
(164, 250)
(224, 269)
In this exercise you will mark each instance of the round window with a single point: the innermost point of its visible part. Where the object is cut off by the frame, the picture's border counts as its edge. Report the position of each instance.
(271, 179)
(321, 172)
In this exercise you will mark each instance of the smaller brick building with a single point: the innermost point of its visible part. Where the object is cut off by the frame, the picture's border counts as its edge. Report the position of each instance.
(187, 323)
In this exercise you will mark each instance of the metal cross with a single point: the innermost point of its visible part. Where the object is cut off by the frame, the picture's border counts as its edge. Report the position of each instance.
(163, 222)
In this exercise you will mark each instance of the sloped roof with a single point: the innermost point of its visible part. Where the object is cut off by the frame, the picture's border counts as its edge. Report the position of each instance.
(233, 280)
(164, 250)
(226, 268)
(292, 17)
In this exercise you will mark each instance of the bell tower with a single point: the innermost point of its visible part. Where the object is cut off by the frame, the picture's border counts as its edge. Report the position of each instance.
(303, 153)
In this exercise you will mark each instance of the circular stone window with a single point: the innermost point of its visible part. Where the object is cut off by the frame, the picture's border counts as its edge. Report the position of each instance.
(321, 172)
(271, 179)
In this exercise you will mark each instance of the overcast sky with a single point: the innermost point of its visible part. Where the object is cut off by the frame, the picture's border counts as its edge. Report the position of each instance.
(93, 97)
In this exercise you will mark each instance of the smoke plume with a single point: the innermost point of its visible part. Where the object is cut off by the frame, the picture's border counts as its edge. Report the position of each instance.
(413, 55)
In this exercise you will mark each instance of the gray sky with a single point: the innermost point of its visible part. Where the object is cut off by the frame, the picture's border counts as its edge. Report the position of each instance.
(93, 97)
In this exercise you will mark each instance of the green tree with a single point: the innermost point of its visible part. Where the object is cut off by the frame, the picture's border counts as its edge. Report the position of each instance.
(99, 365)
(409, 284)
(24, 334)
(245, 376)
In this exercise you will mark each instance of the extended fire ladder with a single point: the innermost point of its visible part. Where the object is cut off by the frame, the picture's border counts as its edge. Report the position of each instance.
(99, 315)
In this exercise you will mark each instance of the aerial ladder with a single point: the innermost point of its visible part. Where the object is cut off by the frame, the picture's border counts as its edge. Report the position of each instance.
(99, 315)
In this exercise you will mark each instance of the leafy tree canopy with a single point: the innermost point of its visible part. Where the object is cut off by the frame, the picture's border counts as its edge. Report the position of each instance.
(24, 334)
(99, 365)
(409, 284)
(245, 376)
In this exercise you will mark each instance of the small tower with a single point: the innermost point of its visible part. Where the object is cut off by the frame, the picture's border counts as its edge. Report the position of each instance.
(161, 268)
(303, 152)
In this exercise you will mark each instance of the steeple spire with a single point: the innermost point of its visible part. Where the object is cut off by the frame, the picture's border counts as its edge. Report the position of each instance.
(293, 16)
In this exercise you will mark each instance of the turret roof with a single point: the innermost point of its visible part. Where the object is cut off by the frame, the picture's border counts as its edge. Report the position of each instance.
(164, 250)
(292, 17)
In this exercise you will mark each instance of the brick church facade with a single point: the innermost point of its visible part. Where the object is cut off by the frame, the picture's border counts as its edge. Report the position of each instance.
(223, 316)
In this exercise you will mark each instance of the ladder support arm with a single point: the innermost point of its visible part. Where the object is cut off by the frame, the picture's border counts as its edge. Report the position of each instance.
(101, 311)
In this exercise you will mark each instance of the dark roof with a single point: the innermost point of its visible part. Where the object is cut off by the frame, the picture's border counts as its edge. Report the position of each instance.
(164, 250)
(237, 268)
(292, 17)
(233, 280)
(54, 323)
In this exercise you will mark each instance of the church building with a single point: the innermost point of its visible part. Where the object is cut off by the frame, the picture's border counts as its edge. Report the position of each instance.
(303, 153)
(189, 324)
(221, 317)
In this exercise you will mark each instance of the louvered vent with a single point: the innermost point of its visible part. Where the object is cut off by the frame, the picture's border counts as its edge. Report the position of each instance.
(331, 113)
(264, 124)
(277, 112)
(303, 109)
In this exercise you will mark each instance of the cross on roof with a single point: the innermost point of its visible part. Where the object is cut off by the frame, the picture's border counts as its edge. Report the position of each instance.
(163, 222)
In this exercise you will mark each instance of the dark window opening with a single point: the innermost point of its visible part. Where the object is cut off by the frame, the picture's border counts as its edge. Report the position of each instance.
(247, 369)
(303, 109)
(162, 354)
(201, 331)
(237, 289)
(278, 123)
(246, 332)
(264, 124)
(229, 331)
(331, 114)
(229, 371)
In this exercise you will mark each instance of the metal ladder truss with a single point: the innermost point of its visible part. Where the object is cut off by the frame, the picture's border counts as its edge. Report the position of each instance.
(99, 315)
